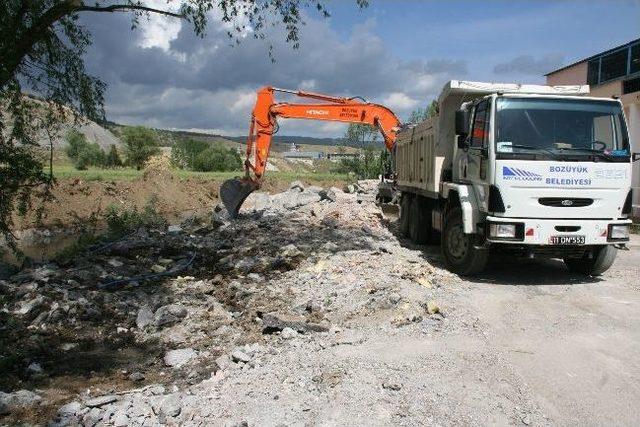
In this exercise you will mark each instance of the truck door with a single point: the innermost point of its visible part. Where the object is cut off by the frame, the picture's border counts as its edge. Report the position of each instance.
(475, 166)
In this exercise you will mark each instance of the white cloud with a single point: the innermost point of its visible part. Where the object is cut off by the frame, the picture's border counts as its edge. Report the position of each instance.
(400, 101)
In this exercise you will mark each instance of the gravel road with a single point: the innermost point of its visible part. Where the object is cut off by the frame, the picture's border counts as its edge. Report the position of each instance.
(309, 310)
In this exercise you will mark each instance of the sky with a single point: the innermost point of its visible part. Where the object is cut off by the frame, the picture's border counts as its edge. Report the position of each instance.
(395, 52)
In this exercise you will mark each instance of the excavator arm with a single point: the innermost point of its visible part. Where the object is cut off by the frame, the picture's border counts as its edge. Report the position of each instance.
(264, 124)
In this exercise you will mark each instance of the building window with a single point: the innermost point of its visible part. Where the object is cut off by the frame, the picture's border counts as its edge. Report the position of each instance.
(635, 59)
(614, 65)
(593, 71)
(631, 86)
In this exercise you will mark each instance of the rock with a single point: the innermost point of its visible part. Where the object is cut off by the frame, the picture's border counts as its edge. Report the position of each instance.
(315, 190)
(70, 409)
(272, 322)
(240, 356)
(115, 263)
(391, 386)
(169, 314)
(157, 268)
(99, 401)
(165, 261)
(17, 400)
(120, 419)
(223, 362)
(35, 368)
(180, 357)
(291, 251)
(297, 185)
(288, 333)
(136, 376)
(171, 406)
(174, 229)
(245, 264)
(432, 307)
(350, 189)
(330, 247)
(145, 317)
(93, 417)
(30, 306)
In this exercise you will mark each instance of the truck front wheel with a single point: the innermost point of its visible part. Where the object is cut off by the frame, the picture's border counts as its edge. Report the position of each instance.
(460, 251)
(601, 260)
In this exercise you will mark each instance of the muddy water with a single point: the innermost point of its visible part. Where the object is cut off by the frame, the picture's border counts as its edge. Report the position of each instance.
(43, 244)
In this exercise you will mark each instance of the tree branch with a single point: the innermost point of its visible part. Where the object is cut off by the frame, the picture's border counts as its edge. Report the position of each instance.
(127, 7)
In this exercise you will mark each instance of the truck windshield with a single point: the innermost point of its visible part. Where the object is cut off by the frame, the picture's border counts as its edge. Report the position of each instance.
(556, 126)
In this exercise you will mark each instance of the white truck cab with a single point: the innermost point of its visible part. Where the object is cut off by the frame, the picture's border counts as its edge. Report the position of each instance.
(538, 171)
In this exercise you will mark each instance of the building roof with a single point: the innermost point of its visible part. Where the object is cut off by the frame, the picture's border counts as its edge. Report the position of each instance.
(594, 56)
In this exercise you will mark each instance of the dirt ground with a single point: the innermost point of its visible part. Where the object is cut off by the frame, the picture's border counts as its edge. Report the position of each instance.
(310, 310)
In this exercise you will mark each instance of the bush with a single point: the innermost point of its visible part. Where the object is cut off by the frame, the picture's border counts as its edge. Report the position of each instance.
(185, 151)
(368, 166)
(217, 158)
(113, 159)
(140, 144)
(82, 152)
(124, 221)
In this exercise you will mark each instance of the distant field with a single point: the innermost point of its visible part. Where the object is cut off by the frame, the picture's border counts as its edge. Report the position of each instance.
(129, 174)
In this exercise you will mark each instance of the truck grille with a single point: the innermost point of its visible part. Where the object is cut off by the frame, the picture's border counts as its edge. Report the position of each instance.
(542, 251)
(565, 202)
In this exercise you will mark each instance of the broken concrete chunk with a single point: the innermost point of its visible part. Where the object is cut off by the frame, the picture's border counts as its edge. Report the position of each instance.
(180, 357)
(272, 322)
(174, 229)
(144, 317)
(240, 356)
(169, 314)
(297, 185)
(96, 402)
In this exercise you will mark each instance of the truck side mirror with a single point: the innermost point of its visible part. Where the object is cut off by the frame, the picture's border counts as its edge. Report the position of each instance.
(462, 123)
(635, 157)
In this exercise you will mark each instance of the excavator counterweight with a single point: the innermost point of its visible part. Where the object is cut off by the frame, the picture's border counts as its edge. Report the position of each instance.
(263, 125)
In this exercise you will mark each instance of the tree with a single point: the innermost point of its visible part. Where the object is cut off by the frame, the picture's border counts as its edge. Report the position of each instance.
(140, 143)
(113, 159)
(421, 114)
(82, 152)
(217, 158)
(41, 51)
(361, 135)
(185, 151)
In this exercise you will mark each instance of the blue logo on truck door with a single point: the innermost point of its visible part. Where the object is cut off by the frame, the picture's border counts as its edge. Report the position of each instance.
(516, 174)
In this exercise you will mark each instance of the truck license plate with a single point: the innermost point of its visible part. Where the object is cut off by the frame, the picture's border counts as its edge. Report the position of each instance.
(567, 240)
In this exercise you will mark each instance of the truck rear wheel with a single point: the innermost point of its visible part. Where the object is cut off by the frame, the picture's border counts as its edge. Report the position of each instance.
(405, 214)
(461, 255)
(600, 262)
(419, 221)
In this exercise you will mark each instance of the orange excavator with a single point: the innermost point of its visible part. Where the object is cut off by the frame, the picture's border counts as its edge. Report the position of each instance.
(264, 124)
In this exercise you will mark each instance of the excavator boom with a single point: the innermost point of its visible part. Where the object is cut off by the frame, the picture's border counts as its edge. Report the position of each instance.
(264, 124)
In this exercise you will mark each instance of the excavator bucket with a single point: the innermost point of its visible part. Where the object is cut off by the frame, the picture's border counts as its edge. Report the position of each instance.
(233, 193)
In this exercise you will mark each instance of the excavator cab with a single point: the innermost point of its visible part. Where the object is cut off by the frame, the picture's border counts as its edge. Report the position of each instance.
(235, 191)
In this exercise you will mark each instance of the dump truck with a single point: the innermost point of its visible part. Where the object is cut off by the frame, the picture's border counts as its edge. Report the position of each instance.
(530, 170)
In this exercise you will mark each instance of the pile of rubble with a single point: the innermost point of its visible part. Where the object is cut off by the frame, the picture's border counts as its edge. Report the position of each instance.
(151, 316)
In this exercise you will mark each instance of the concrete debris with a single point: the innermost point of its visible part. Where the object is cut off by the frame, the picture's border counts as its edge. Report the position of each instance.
(179, 358)
(272, 322)
(285, 303)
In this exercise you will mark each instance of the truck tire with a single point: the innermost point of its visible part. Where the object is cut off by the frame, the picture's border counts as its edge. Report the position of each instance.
(459, 250)
(600, 262)
(405, 213)
(419, 221)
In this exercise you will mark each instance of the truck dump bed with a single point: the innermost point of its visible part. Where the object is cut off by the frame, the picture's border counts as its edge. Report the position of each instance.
(417, 164)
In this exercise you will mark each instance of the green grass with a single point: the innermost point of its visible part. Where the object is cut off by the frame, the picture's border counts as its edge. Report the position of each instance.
(62, 171)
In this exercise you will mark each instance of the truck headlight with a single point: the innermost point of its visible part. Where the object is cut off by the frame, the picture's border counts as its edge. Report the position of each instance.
(619, 232)
(502, 231)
